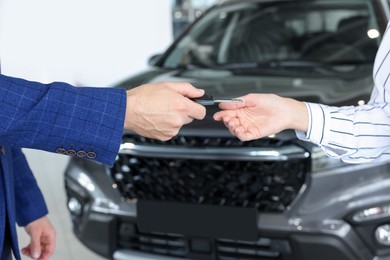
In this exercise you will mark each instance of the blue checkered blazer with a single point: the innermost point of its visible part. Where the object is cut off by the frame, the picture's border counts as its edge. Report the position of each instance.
(56, 117)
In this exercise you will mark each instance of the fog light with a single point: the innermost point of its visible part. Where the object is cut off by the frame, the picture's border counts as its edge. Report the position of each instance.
(371, 214)
(74, 206)
(382, 235)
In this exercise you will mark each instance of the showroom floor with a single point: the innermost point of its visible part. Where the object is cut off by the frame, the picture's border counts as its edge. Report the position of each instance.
(48, 169)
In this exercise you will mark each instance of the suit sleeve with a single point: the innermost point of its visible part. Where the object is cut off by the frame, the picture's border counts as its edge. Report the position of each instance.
(29, 202)
(79, 121)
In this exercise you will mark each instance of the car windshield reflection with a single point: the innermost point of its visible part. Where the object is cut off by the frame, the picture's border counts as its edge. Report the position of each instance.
(271, 35)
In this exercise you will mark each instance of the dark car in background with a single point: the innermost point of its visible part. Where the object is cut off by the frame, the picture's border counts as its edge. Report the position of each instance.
(206, 195)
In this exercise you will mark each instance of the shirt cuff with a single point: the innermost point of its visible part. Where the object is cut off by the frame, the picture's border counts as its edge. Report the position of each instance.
(316, 126)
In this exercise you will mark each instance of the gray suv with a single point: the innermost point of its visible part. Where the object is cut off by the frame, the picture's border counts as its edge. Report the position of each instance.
(206, 195)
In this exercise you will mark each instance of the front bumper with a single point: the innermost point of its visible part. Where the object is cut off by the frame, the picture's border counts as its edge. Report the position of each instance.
(117, 237)
(126, 254)
(316, 227)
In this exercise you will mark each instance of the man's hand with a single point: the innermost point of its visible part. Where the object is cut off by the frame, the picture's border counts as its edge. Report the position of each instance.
(43, 238)
(261, 115)
(159, 110)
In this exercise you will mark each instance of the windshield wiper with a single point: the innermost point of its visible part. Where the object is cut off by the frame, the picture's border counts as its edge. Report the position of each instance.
(185, 66)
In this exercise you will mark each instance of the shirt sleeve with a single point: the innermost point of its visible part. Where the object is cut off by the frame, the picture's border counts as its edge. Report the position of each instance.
(356, 134)
(84, 122)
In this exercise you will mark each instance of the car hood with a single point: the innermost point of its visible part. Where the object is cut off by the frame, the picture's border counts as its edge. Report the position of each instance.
(331, 90)
(225, 84)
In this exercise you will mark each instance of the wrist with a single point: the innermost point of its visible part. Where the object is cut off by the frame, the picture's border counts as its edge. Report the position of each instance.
(298, 115)
(128, 113)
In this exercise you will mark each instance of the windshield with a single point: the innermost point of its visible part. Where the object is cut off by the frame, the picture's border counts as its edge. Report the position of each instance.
(280, 34)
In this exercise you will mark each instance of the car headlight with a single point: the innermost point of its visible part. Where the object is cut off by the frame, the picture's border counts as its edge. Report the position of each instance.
(373, 213)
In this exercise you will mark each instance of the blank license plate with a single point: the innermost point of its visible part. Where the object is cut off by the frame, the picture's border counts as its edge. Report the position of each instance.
(197, 220)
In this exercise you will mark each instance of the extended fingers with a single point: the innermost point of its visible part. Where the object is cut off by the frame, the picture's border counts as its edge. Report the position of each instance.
(224, 115)
(235, 126)
(196, 111)
(185, 89)
(239, 131)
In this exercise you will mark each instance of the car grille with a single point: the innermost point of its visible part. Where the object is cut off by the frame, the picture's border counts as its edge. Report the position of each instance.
(129, 237)
(263, 248)
(215, 171)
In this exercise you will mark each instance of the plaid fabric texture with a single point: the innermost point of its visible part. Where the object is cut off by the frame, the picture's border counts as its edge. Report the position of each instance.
(57, 115)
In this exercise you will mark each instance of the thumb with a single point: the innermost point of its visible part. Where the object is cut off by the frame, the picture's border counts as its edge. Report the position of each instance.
(186, 89)
(35, 245)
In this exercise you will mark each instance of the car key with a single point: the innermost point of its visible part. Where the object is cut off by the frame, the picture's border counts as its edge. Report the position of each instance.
(207, 100)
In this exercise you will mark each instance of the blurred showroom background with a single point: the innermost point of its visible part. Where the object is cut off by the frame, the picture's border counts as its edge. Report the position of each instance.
(85, 43)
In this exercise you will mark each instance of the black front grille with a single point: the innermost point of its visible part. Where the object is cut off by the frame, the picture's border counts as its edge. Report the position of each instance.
(263, 248)
(165, 244)
(268, 185)
(129, 237)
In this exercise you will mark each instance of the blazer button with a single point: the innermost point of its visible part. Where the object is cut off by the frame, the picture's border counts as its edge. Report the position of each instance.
(61, 151)
(71, 152)
(2, 150)
(91, 155)
(81, 153)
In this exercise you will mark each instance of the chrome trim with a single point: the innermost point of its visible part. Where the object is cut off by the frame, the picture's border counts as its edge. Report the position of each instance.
(240, 153)
(126, 254)
(114, 212)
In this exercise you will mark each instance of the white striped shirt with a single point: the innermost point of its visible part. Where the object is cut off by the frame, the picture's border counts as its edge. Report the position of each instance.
(356, 134)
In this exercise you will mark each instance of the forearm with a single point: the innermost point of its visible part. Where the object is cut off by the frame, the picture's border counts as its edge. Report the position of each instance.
(354, 134)
(57, 117)
(297, 114)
